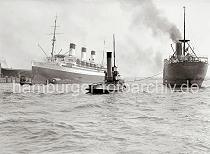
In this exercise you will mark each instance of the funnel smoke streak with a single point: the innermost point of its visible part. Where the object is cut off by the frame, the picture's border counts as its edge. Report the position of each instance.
(148, 14)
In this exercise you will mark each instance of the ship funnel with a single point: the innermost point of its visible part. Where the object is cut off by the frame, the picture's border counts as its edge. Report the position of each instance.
(109, 66)
(178, 49)
(83, 54)
(93, 55)
(0, 70)
(72, 49)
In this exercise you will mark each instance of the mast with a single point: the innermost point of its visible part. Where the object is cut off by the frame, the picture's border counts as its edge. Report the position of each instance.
(114, 49)
(103, 54)
(54, 38)
(184, 32)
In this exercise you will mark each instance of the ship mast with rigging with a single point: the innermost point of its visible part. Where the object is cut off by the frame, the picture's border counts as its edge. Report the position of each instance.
(184, 32)
(54, 39)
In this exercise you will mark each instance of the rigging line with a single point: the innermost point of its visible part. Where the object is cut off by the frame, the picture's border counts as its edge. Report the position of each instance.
(114, 50)
(103, 54)
(66, 53)
(192, 50)
(42, 49)
(60, 51)
(146, 77)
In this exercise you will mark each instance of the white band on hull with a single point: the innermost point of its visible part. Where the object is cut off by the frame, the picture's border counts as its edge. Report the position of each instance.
(77, 70)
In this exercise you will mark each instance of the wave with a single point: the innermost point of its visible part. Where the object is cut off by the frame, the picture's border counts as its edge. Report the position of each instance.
(85, 106)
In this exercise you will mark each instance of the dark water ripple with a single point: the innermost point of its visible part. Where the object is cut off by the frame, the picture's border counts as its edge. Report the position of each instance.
(127, 122)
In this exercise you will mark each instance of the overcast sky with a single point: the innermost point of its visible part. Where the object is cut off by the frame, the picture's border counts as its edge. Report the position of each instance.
(142, 29)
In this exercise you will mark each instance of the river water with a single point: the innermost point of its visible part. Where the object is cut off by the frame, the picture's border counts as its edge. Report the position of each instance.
(129, 122)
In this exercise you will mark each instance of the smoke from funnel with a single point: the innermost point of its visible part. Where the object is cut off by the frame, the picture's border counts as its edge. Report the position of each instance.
(149, 15)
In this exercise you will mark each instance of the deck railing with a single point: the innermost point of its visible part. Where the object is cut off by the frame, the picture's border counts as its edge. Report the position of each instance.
(187, 59)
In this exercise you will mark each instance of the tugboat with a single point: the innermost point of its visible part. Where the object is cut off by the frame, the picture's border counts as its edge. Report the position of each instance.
(112, 82)
(184, 66)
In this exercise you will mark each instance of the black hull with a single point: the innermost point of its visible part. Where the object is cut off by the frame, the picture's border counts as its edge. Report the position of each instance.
(16, 72)
(184, 73)
(42, 75)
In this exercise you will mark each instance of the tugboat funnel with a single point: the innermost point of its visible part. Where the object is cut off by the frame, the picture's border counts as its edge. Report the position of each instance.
(109, 66)
(0, 69)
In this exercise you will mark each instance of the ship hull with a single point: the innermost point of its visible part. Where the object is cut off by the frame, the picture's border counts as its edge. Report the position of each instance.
(15, 72)
(184, 73)
(41, 75)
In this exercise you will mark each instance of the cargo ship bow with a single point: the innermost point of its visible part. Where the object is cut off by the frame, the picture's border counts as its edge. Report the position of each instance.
(184, 66)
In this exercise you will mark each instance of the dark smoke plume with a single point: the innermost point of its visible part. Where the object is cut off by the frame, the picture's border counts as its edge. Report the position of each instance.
(149, 15)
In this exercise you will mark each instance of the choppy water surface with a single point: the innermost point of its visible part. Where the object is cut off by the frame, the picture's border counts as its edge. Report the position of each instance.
(116, 123)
